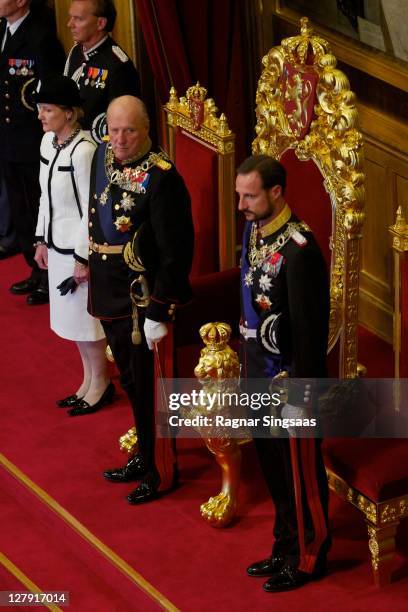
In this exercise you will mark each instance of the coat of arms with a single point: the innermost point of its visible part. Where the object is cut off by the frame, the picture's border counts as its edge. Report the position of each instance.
(299, 91)
(196, 96)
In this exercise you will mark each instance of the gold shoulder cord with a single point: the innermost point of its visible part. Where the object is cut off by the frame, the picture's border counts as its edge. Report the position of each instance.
(23, 91)
(134, 263)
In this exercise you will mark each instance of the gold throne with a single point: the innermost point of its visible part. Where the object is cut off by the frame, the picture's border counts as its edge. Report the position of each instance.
(201, 145)
(306, 118)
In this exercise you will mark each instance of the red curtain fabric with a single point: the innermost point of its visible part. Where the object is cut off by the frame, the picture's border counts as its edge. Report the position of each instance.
(200, 41)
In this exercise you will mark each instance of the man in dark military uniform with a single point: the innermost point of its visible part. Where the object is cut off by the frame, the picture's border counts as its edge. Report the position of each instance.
(29, 51)
(100, 67)
(140, 254)
(284, 331)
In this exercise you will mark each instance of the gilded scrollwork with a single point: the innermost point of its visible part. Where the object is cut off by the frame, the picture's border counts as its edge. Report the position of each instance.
(197, 113)
(394, 510)
(334, 142)
(374, 547)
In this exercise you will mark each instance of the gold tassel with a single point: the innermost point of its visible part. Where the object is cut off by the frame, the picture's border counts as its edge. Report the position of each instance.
(136, 335)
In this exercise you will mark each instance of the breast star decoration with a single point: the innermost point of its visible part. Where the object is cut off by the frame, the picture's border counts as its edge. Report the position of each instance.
(265, 282)
(123, 224)
(126, 202)
(249, 279)
(263, 301)
(104, 196)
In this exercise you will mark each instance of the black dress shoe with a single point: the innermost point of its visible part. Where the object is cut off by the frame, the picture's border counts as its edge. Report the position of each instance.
(38, 297)
(289, 578)
(69, 401)
(25, 286)
(266, 567)
(146, 491)
(82, 407)
(135, 469)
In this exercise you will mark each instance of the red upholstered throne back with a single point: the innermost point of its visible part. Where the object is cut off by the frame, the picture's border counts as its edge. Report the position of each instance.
(201, 145)
(308, 199)
(197, 164)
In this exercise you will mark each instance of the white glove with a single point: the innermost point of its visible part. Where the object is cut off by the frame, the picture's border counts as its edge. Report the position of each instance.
(154, 332)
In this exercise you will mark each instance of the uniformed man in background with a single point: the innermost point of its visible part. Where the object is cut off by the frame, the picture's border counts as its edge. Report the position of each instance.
(29, 51)
(97, 63)
(140, 252)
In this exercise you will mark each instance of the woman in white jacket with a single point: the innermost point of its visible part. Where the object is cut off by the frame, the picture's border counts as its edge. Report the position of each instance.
(66, 157)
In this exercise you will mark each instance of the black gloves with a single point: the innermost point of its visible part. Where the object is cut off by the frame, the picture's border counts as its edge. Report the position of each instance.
(69, 284)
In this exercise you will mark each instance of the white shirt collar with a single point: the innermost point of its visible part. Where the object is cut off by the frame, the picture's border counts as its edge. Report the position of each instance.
(13, 27)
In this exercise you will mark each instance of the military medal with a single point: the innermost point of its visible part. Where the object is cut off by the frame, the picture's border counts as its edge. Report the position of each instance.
(273, 264)
(123, 224)
(104, 196)
(18, 64)
(103, 78)
(263, 301)
(24, 69)
(91, 74)
(126, 202)
(249, 278)
(98, 78)
(12, 70)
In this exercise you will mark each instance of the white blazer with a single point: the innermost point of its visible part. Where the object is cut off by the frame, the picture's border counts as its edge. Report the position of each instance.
(64, 180)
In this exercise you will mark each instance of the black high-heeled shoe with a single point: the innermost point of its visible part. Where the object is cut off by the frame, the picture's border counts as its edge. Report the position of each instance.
(69, 401)
(83, 407)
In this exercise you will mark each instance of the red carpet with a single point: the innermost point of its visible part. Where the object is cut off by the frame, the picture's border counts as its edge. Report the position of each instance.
(192, 565)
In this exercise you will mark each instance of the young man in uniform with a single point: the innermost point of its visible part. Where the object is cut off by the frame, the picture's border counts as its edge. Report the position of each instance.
(284, 331)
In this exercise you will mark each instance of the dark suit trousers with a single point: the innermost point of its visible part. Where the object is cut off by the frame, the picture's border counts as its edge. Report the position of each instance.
(23, 190)
(275, 459)
(8, 238)
(136, 367)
